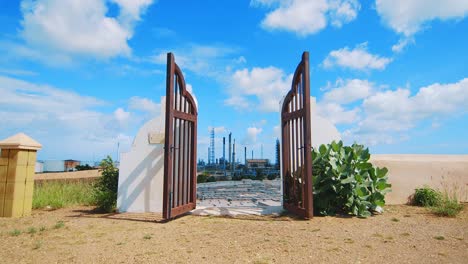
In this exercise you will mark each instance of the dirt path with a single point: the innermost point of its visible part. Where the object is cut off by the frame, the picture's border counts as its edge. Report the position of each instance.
(403, 234)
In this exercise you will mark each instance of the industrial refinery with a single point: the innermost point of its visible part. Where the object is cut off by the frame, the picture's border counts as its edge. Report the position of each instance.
(232, 166)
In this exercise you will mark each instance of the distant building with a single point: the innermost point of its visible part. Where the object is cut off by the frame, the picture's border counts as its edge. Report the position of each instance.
(59, 165)
(257, 163)
(70, 165)
(39, 167)
(54, 165)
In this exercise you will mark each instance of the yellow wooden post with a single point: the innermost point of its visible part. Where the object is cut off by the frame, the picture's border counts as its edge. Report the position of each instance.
(17, 163)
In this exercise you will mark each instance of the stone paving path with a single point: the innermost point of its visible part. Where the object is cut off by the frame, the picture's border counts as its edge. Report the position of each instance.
(239, 197)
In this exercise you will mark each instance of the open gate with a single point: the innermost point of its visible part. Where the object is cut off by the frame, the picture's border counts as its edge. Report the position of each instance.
(296, 144)
(180, 146)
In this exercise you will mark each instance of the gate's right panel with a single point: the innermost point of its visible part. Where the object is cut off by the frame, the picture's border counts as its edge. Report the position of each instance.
(296, 144)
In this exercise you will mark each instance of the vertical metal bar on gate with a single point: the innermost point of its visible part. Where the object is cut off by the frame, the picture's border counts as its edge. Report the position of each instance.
(308, 199)
(296, 147)
(167, 197)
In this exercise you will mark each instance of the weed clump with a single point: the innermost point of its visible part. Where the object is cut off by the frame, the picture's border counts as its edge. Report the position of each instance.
(59, 225)
(448, 207)
(426, 197)
(15, 232)
(32, 230)
(438, 203)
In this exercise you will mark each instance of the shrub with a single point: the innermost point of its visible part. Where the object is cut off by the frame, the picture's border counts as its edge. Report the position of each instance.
(345, 182)
(271, 176)
(211, 179)
(447, 207)
(202, 178)
(259, 175)
(83, 167)
(236, 177)
(105, 190)
(426, 197)
(438, 203)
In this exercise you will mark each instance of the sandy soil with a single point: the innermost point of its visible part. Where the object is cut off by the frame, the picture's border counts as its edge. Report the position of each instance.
(403, 234)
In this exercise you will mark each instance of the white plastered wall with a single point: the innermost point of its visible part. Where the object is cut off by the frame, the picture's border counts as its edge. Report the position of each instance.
(141, 176)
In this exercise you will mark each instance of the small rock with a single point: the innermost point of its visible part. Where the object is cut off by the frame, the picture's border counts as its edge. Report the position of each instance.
(378, 210)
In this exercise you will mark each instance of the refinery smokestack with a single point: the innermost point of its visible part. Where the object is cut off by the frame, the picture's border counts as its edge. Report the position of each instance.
(230, 153)
(224, 155)
(245, 156)
(233, 154)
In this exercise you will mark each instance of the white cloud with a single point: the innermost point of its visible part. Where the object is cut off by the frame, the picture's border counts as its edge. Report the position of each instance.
(402, 43)
(144, 105)
(18, 72)
(337, 114)
(358, 59)
(217, 130)
(200, 59)
(238, 102)
(348, 91)
(410, 16)
(189, 89)
(78, 27)
(65, 122)
(305, 17)
(131, 10)
(342, 12)
(251, 135)
(277, 131)
(260, 88)
(121, 115)
(389, 115)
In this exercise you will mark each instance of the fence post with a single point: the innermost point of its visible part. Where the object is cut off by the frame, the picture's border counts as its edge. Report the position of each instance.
(17, 166)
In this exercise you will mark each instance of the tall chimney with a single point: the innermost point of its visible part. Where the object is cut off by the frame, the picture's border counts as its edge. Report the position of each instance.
(233, 155)
(230, 164)
(224, 155)
(245, 156)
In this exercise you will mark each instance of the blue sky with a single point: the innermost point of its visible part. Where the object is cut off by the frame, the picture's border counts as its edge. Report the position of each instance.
(81, 76)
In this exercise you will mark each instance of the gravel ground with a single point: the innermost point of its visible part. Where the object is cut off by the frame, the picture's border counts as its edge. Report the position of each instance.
(403, 234)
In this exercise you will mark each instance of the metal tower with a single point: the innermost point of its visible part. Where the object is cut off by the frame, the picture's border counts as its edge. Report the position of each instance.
(211, 155)
(224, 155)
(230, 153)
(245, 156)
(233, 156)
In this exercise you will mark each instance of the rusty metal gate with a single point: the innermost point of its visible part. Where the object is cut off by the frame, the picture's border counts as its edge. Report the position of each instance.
(180, 146)
(296, 144)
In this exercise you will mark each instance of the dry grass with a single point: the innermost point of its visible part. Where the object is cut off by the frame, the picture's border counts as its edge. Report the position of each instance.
(85, 237)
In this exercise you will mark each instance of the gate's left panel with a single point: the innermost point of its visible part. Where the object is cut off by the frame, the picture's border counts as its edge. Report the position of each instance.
(180, 147)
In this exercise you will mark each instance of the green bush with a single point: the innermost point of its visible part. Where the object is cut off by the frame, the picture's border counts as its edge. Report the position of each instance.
(259, 175)
(426, 197)
(105, 190)
(62, 194)
(83, 167)
(271, 176)
(346, 182)
(449, 207)
(202, 178)
(211, 179)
